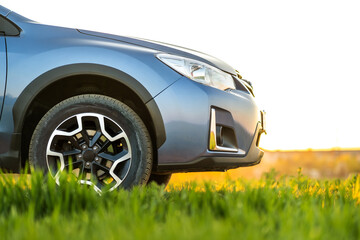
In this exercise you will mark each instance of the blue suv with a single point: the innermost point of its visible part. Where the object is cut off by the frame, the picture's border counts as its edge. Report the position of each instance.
(119, 111)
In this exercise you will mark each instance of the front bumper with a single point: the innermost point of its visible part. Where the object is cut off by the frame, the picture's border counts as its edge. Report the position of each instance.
(219, 161)
(189, 111)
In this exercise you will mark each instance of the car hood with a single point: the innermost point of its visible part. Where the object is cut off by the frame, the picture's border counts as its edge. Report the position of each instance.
(167, 48)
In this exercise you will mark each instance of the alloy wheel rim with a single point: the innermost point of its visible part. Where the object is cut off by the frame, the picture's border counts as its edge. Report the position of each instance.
(91, 146)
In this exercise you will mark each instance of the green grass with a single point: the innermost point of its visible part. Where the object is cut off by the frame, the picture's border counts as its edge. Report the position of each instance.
(270, 208)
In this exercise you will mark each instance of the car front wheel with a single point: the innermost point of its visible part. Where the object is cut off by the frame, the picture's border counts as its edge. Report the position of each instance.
(102, 141)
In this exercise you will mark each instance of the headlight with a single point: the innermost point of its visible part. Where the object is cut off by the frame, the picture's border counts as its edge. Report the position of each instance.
(198, 71)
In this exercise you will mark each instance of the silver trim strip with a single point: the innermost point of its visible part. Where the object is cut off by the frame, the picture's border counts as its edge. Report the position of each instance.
(212, 140)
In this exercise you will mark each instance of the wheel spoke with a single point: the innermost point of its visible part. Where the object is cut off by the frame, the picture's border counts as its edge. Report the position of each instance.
(104, 146)
(86, 182)
(74, 143)
(119, 136)
(85, 136)
(106, 134)
(57, 154)
(82, 169)
(95, 138)
(101, 167)
(68, 134)
(71, 152)
(120, 157)
(75, 164)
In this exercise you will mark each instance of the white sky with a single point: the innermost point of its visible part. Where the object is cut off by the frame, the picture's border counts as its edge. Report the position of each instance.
(303, 57)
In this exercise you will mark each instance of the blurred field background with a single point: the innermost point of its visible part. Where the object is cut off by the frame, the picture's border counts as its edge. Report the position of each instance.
(289, 195)
(268, 208)
(312, 194)
(317, 164)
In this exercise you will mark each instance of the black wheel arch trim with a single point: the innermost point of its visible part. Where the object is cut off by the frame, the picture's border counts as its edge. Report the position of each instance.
(30, 93)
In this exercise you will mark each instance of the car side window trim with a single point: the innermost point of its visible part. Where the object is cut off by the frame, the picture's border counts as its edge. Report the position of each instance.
(8, 28)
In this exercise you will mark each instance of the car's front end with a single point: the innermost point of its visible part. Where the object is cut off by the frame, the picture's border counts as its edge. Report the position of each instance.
(211, 119)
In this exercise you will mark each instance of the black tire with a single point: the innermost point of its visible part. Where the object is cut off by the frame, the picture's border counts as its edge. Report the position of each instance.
(117, 118)
(160, 179)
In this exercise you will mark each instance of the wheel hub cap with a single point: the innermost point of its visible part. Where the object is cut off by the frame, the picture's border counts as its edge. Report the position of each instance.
(89, 155)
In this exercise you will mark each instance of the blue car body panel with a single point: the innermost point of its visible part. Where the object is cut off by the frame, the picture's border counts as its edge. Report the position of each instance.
(42, 55)
(168, 48)
(4, 11)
